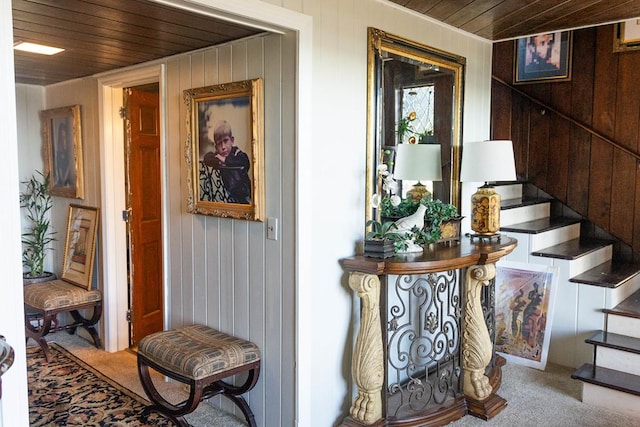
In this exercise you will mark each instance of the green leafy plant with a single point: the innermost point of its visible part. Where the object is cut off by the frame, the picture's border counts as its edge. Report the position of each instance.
(437, 213)
(387, 231)
(37, 202)
(382, 230)
(406, 207)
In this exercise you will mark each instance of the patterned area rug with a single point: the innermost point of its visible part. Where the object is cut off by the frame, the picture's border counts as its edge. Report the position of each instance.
(68, 392)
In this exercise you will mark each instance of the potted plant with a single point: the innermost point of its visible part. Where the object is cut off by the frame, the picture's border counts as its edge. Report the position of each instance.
(442, 222)
(382, 241)
(37, 202)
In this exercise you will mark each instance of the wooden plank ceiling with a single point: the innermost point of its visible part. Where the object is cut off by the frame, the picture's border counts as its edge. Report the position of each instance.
(506, 19)
(102, 35)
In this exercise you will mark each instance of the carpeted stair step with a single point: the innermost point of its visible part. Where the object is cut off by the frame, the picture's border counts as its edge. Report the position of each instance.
(608, 378)
(572, 249)
(540, 225)
(608, 275)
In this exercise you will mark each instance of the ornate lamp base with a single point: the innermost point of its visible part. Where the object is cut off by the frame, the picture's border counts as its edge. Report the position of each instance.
(418, 192)
(485, 211)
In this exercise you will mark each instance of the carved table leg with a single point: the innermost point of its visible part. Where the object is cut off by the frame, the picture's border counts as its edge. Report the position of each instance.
(477, 349)
(367, 365)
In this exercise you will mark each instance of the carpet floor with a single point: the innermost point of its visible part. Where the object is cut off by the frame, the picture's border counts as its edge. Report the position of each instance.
(535, 398)
(68, 392)
(118, 370)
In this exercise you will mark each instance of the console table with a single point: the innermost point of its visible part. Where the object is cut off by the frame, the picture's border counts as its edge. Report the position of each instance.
(424, 351)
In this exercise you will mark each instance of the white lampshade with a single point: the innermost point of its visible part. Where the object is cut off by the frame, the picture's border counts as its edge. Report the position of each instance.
(488, 161)
(418, 162)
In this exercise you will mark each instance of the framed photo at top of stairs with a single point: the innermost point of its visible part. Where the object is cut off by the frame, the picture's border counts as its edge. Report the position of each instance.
(525, 299)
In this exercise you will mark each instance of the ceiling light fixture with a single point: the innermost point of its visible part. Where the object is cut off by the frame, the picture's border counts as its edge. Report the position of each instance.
(37, 48)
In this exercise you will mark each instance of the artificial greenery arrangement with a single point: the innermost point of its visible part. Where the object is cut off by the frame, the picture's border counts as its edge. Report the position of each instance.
(404, 208)
(37, 202)
(386, 231)
(437, 213)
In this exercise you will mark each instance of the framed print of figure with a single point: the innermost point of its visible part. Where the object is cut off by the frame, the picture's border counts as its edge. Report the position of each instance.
(62, 151)
(80, 245)
(543, 58)
(224, 150)
(525, 298)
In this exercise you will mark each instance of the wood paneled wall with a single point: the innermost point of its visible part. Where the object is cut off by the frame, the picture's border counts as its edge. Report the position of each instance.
(224, 272)
(594, 178)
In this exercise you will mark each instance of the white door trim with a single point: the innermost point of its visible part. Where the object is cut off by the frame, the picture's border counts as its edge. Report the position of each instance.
(114, 231)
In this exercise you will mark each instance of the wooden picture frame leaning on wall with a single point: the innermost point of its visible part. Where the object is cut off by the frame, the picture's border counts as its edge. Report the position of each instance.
(80, 245)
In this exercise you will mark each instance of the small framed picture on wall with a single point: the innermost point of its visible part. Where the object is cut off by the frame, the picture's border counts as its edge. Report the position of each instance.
(543, 58)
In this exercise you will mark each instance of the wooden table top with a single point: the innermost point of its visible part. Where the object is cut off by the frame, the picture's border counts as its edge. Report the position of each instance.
(435, 257)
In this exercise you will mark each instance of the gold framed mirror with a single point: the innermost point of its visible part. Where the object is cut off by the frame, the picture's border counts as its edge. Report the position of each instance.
(409, 83)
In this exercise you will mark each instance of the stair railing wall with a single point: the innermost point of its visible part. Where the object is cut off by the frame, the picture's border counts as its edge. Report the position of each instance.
(579, 140)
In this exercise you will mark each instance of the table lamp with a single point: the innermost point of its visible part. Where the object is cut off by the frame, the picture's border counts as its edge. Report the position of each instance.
(416, 162)
(487, 161)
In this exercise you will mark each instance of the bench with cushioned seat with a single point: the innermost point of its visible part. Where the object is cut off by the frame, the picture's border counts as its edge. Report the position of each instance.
(43, 301)
(202, 358)
(47, 299)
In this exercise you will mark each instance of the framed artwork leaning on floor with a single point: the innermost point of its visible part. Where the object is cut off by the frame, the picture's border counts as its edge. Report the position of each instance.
(525, 298)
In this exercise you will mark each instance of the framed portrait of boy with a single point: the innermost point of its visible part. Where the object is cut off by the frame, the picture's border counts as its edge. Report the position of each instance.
(62, 150)
(543, 58)
(225, 150)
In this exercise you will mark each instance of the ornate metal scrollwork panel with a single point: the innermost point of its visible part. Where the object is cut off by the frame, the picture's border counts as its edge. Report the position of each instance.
(422, 342)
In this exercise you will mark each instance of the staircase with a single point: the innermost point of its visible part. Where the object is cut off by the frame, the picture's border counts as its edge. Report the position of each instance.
(596, 321)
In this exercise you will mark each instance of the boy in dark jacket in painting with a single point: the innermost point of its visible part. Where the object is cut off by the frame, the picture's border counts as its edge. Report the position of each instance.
(232, 162)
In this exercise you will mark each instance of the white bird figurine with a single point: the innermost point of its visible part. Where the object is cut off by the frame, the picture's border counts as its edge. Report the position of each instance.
(406, 224)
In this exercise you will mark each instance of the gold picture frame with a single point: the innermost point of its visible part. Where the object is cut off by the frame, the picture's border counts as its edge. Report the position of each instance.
(62, 150)
(626, 35)
(543, 58)
(224, 150)
(80, 245)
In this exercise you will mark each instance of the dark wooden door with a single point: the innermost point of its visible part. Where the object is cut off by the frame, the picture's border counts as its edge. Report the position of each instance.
(145, 219)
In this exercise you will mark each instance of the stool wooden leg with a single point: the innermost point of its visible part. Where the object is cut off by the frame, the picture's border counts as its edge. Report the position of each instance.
(87, 324)
(174, 412)
(38, 333)
(234, 393)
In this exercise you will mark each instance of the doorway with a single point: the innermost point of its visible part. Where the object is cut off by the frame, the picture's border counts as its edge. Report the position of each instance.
(144, 211)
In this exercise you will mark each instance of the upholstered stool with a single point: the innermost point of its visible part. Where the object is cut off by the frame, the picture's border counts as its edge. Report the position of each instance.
(201, 357)
(47, 299)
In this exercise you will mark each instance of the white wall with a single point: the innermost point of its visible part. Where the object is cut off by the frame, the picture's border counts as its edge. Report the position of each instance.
(14, 410)
(224, 272)
(338, 162)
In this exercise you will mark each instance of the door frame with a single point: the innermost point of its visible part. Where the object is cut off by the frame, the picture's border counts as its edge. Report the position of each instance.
(113, 199)
(260, 14)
